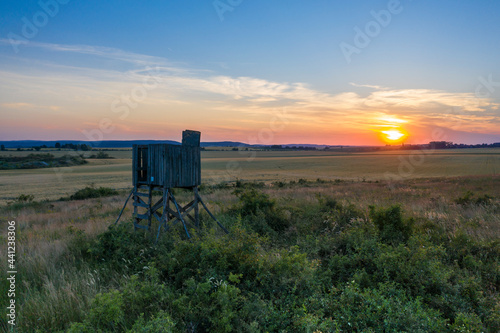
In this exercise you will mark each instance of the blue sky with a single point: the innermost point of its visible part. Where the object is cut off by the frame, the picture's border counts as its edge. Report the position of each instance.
(232, 77)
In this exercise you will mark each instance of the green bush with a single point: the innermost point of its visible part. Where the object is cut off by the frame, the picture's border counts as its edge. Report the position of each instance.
(106, 315)
(260, 211)
(467, 322)
(27, 201)
(348, 273)
(90, 192)
(392, 228)
(251, 201)
(25, 198)
(383, 309)
(337, 214)
(35, 161)
(469, 199)
(101, 155)
(121, 249)
(159, 323)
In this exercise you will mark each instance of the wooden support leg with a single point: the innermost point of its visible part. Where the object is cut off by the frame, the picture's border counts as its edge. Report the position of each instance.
(165, 214)
(125, 205)
(150, 212)
(196, 209)
(136, 200)
(211, 215)
(180, 215)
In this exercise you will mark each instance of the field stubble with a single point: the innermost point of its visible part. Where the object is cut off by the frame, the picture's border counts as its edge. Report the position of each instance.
(262, 166)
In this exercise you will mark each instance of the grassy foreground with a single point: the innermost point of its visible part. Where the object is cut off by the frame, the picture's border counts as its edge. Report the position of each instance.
(420, 255)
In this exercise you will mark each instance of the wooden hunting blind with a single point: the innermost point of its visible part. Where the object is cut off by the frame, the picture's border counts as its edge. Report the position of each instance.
(163, 167)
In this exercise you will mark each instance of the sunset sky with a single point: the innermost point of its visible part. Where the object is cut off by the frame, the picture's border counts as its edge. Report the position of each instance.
(261, 72)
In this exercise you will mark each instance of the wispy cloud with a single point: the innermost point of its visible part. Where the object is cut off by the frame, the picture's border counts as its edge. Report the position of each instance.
(17, 106)
(367, 86)
(107, 52)
(29, 106)
(237, 98)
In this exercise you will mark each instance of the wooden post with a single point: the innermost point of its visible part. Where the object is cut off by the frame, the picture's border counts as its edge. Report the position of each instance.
(150, 212)
(165, 214)
(136, 201)
(180, 216)
(196, 209)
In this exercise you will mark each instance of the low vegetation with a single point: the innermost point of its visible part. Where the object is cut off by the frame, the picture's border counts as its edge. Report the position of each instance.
(308, 256)
(90, 192)
(101, 155)
(36, 161)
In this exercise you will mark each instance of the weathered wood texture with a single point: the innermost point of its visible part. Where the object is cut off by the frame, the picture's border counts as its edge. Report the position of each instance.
(191, 138)
(174, 166)
(168, 165)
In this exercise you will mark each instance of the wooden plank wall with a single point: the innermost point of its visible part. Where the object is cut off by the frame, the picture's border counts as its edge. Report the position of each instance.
(174, 166)
(134, 165)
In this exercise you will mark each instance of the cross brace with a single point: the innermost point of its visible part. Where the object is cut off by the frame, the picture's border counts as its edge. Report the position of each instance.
(166, 211)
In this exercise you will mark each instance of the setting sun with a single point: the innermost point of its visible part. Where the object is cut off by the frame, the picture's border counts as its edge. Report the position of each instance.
(393, 136)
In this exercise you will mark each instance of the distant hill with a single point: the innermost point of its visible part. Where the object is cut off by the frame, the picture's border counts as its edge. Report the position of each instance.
(310, 146)
(112, 143)
(129, 143)
(226, 144)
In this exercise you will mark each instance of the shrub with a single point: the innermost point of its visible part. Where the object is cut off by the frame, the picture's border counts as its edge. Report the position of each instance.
(347, 273)
(159, 323)
(260, 211)
(101, 155)
(327, 203)
(252, 201)
(467, 322)
(383, 309)
(469, 199)
(106, 315)
(27, 201)
(144, 294)
(34, 161)
(90, 192)
(106, 311)
(121, 249)
(25, 198)
(392, 228)
(279, 184)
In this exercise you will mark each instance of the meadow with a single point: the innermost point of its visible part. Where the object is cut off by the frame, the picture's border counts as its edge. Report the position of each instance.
(264, 166)
(313, 247)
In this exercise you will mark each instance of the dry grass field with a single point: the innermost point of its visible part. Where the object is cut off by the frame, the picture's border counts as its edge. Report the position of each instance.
(263, 166)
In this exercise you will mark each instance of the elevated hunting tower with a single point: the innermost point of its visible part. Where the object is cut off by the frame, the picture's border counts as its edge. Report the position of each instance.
(167, 165)
(163, 167)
